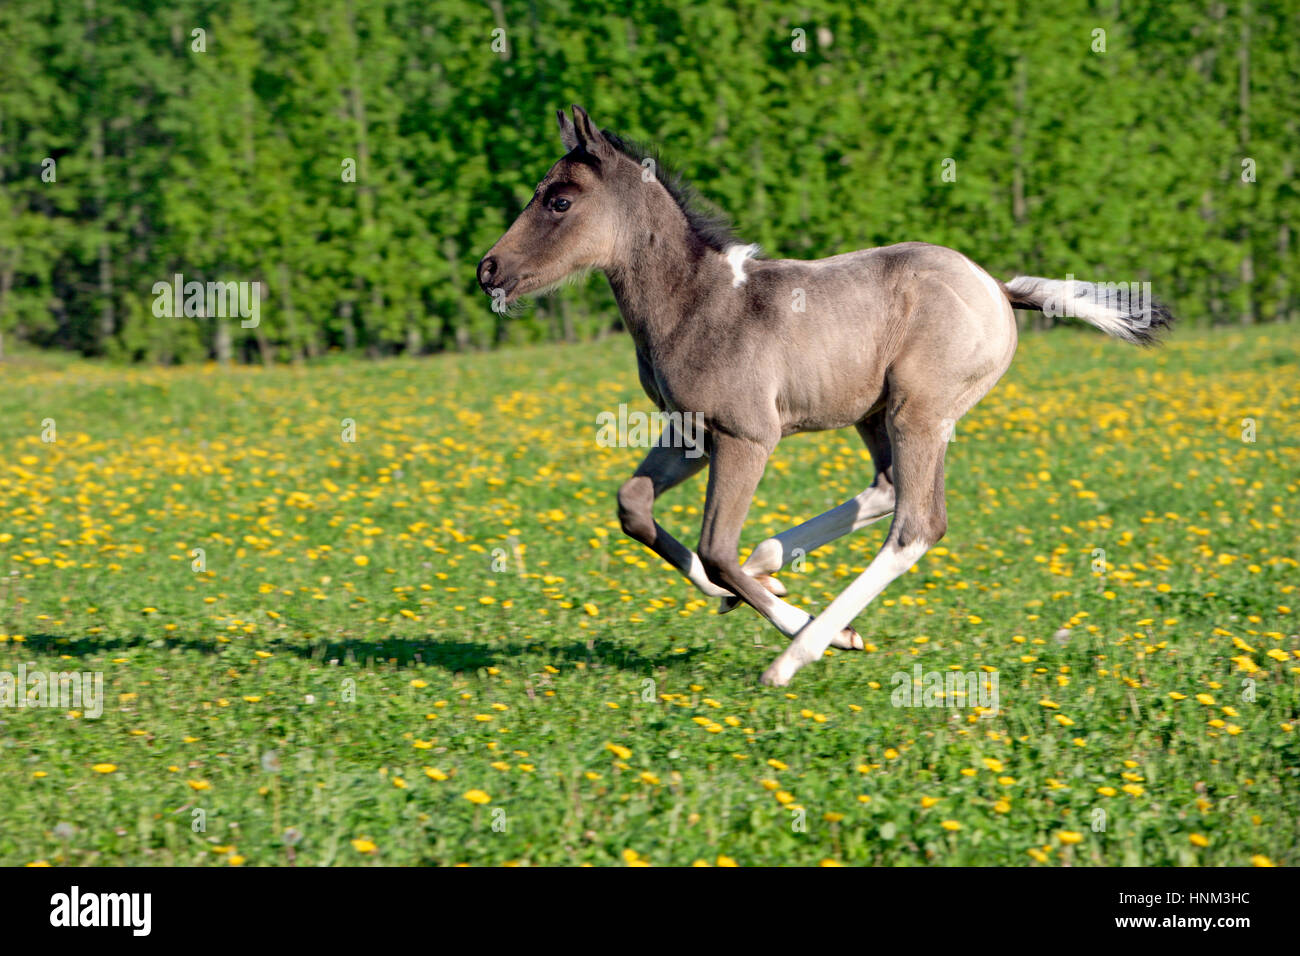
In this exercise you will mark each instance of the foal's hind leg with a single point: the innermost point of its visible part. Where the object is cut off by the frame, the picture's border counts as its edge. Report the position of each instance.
(871, 505)
(920, 519)
(859, 511)
(737, 465)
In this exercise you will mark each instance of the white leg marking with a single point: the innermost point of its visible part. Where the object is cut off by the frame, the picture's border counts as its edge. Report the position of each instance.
(789, 620)
(695, 571)
(688, 563)
(774, 553)
(813, 640)
(856, 513)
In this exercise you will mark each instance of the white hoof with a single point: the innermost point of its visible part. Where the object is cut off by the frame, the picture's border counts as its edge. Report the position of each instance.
(783, 669)
(849, 640)
(710, 589)
(774, 676)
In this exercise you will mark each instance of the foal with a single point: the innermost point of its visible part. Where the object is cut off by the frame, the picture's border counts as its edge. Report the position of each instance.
(898, 342)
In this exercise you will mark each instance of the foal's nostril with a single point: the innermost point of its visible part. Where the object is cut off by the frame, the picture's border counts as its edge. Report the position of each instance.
(486, 270)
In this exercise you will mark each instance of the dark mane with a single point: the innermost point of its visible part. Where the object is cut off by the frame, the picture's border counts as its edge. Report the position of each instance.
(709, 224)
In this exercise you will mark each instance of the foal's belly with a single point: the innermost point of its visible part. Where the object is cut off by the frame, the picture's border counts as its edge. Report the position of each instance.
(838, 409)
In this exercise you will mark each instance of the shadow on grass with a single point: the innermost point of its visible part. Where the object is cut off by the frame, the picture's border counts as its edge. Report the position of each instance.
(450, 656)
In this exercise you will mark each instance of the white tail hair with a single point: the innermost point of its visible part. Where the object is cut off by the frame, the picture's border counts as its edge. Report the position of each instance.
(1125, 310)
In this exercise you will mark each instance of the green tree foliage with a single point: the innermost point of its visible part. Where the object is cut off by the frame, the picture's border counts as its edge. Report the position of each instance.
(357, 157)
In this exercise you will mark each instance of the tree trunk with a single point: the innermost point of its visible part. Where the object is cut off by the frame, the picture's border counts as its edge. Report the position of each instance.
(290, 320)
(1243, 100)
(414, 341)
(1040, 320)
(6, 283)
(223, 345)
(107, 320)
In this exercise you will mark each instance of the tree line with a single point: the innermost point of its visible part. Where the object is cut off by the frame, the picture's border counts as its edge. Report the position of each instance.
(355, 158)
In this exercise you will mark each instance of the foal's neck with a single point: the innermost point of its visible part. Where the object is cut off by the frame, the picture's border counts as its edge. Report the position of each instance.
(661, 276)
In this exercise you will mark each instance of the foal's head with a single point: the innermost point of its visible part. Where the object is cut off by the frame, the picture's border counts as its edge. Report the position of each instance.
(575, 220)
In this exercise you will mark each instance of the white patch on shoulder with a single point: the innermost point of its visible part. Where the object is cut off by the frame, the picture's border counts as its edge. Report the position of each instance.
(998, 298)
(736, 256)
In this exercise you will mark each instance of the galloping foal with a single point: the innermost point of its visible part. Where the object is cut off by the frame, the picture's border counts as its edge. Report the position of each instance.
(898, 342)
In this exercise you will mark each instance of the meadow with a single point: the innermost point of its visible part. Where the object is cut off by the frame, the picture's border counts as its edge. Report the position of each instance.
(431, 644)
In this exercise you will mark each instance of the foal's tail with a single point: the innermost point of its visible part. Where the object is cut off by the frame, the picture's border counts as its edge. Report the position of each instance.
(1125, 310)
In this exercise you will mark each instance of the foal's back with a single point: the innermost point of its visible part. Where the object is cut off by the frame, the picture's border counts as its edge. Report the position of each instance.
(832, 334)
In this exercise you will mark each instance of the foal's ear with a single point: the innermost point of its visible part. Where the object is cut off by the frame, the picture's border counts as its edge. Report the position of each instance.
(568, 135)
(589, 136)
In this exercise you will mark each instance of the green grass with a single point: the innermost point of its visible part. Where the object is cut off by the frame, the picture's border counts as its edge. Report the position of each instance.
(366, 605)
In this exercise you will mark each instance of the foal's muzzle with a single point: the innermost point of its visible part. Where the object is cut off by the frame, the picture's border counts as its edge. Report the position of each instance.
(488, 270)
(497, 280)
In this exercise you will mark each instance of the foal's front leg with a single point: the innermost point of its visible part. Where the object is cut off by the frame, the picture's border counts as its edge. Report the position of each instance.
(736, 467)
(666, 466)
(877, 501)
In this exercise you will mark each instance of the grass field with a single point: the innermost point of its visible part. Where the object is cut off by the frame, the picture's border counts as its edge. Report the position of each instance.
(433, 645)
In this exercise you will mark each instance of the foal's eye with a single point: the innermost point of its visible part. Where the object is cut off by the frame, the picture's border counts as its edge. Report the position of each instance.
(559, 204)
